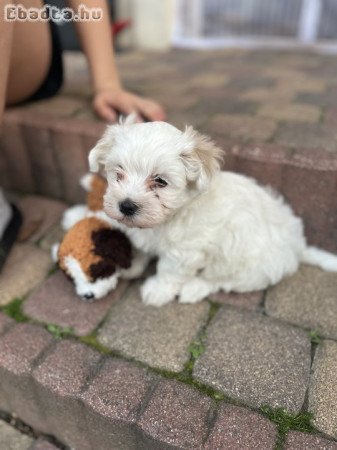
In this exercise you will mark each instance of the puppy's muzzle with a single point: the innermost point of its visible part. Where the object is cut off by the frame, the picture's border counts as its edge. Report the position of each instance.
(128, 208)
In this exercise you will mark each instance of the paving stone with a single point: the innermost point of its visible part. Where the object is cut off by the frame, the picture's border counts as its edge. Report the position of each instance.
(251, 300)
(12, 439)
(251, 82)
(210, 80)
(60, 106)
(20, 348)
(287, 74)
(261, 95)
(156, 336)
(25, 268)
(264, 162)
(243, 127)
(324, 99)
(311, 175)
(290, 112)
(223, 104)
(322, 391)
(43, 444)
(239, 428)
(255, 359)
(176, 415)
(330, 118)
(56, 302)
(112, 402)
(5, 322)
(304, 85)
(39, 215)
(307, 299)
(60, 379)
(296, 440)
(304, 135)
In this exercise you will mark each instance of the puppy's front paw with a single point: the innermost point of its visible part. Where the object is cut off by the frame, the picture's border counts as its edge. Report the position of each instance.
(194, 291)
(156, 293)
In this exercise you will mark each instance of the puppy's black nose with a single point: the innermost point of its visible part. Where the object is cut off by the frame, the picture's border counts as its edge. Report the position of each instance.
(127, 207)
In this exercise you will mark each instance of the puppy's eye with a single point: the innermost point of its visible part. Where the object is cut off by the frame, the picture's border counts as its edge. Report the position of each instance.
(119, 176)
(160, 182)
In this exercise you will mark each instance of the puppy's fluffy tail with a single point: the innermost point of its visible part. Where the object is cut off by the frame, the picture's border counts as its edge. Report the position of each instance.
(317, 257)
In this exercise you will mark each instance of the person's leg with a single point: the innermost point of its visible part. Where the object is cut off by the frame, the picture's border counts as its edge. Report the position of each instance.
(30, 57)
(25, 53)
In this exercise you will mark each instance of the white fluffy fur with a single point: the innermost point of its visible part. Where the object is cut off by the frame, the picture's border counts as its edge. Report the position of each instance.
(84, 286)
(211, 230)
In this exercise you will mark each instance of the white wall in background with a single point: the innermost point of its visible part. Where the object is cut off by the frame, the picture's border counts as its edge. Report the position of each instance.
(152, 23)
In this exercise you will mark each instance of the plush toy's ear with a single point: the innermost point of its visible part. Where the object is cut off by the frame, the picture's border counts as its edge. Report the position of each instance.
(97, 156)
(201, 158)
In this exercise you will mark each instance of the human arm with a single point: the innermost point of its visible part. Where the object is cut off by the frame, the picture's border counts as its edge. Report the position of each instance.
(110, 97)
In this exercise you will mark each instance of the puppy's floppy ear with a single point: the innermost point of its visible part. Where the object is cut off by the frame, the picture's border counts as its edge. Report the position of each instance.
(201, 158)
(97, 156)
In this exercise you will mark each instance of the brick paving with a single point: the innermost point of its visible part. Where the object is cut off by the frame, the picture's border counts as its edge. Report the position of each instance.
(117, 374)
(323, 393)
(11, 439)
(255, 360)
(307, 299)
(156, 336)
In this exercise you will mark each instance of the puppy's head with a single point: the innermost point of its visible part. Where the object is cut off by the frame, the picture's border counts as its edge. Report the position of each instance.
(153, 170)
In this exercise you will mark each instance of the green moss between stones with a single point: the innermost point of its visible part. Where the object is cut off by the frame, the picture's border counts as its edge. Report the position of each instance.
(59, 332)
(186, 378)
(14, 310)
(315, 337)
(52, 270)
(286, 422)
(91, 340)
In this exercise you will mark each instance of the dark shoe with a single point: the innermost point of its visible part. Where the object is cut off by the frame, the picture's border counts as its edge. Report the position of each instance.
(10, 234)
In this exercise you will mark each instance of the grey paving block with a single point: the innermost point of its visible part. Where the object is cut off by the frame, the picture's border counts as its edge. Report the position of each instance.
(12, 439)
(156, 336)
(323, 388)
(5, 322)
(256, 359)
(113, 402)
(176, 415)
(59, 381)
(56, 302)
(307, 299)
(27, 266)
(239, 428)
(43, 444)
(20, 348)
(296, 440)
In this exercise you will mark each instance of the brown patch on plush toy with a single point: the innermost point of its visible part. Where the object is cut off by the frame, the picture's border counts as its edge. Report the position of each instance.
(96, 247)
(95, 195)
(115, 250)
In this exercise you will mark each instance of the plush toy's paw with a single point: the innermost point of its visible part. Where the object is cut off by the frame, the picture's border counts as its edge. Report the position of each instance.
(194, 291)
(156, 293)
(54, 252)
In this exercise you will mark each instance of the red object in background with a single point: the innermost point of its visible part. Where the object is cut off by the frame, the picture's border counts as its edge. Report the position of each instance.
(119, 26)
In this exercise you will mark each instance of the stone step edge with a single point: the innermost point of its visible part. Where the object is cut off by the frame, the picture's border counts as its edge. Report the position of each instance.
(46, 382)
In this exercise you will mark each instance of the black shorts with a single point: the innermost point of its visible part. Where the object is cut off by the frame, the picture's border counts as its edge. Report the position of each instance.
(54, 79)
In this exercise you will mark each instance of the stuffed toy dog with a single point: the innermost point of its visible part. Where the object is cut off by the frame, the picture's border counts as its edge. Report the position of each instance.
(92, 252)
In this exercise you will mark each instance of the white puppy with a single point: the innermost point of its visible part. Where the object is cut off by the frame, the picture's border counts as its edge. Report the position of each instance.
(211, 230)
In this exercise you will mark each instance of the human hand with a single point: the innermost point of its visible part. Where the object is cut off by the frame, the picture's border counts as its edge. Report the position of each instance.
(110, 102)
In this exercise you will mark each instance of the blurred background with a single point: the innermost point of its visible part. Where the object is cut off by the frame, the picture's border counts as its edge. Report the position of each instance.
(220, 23)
